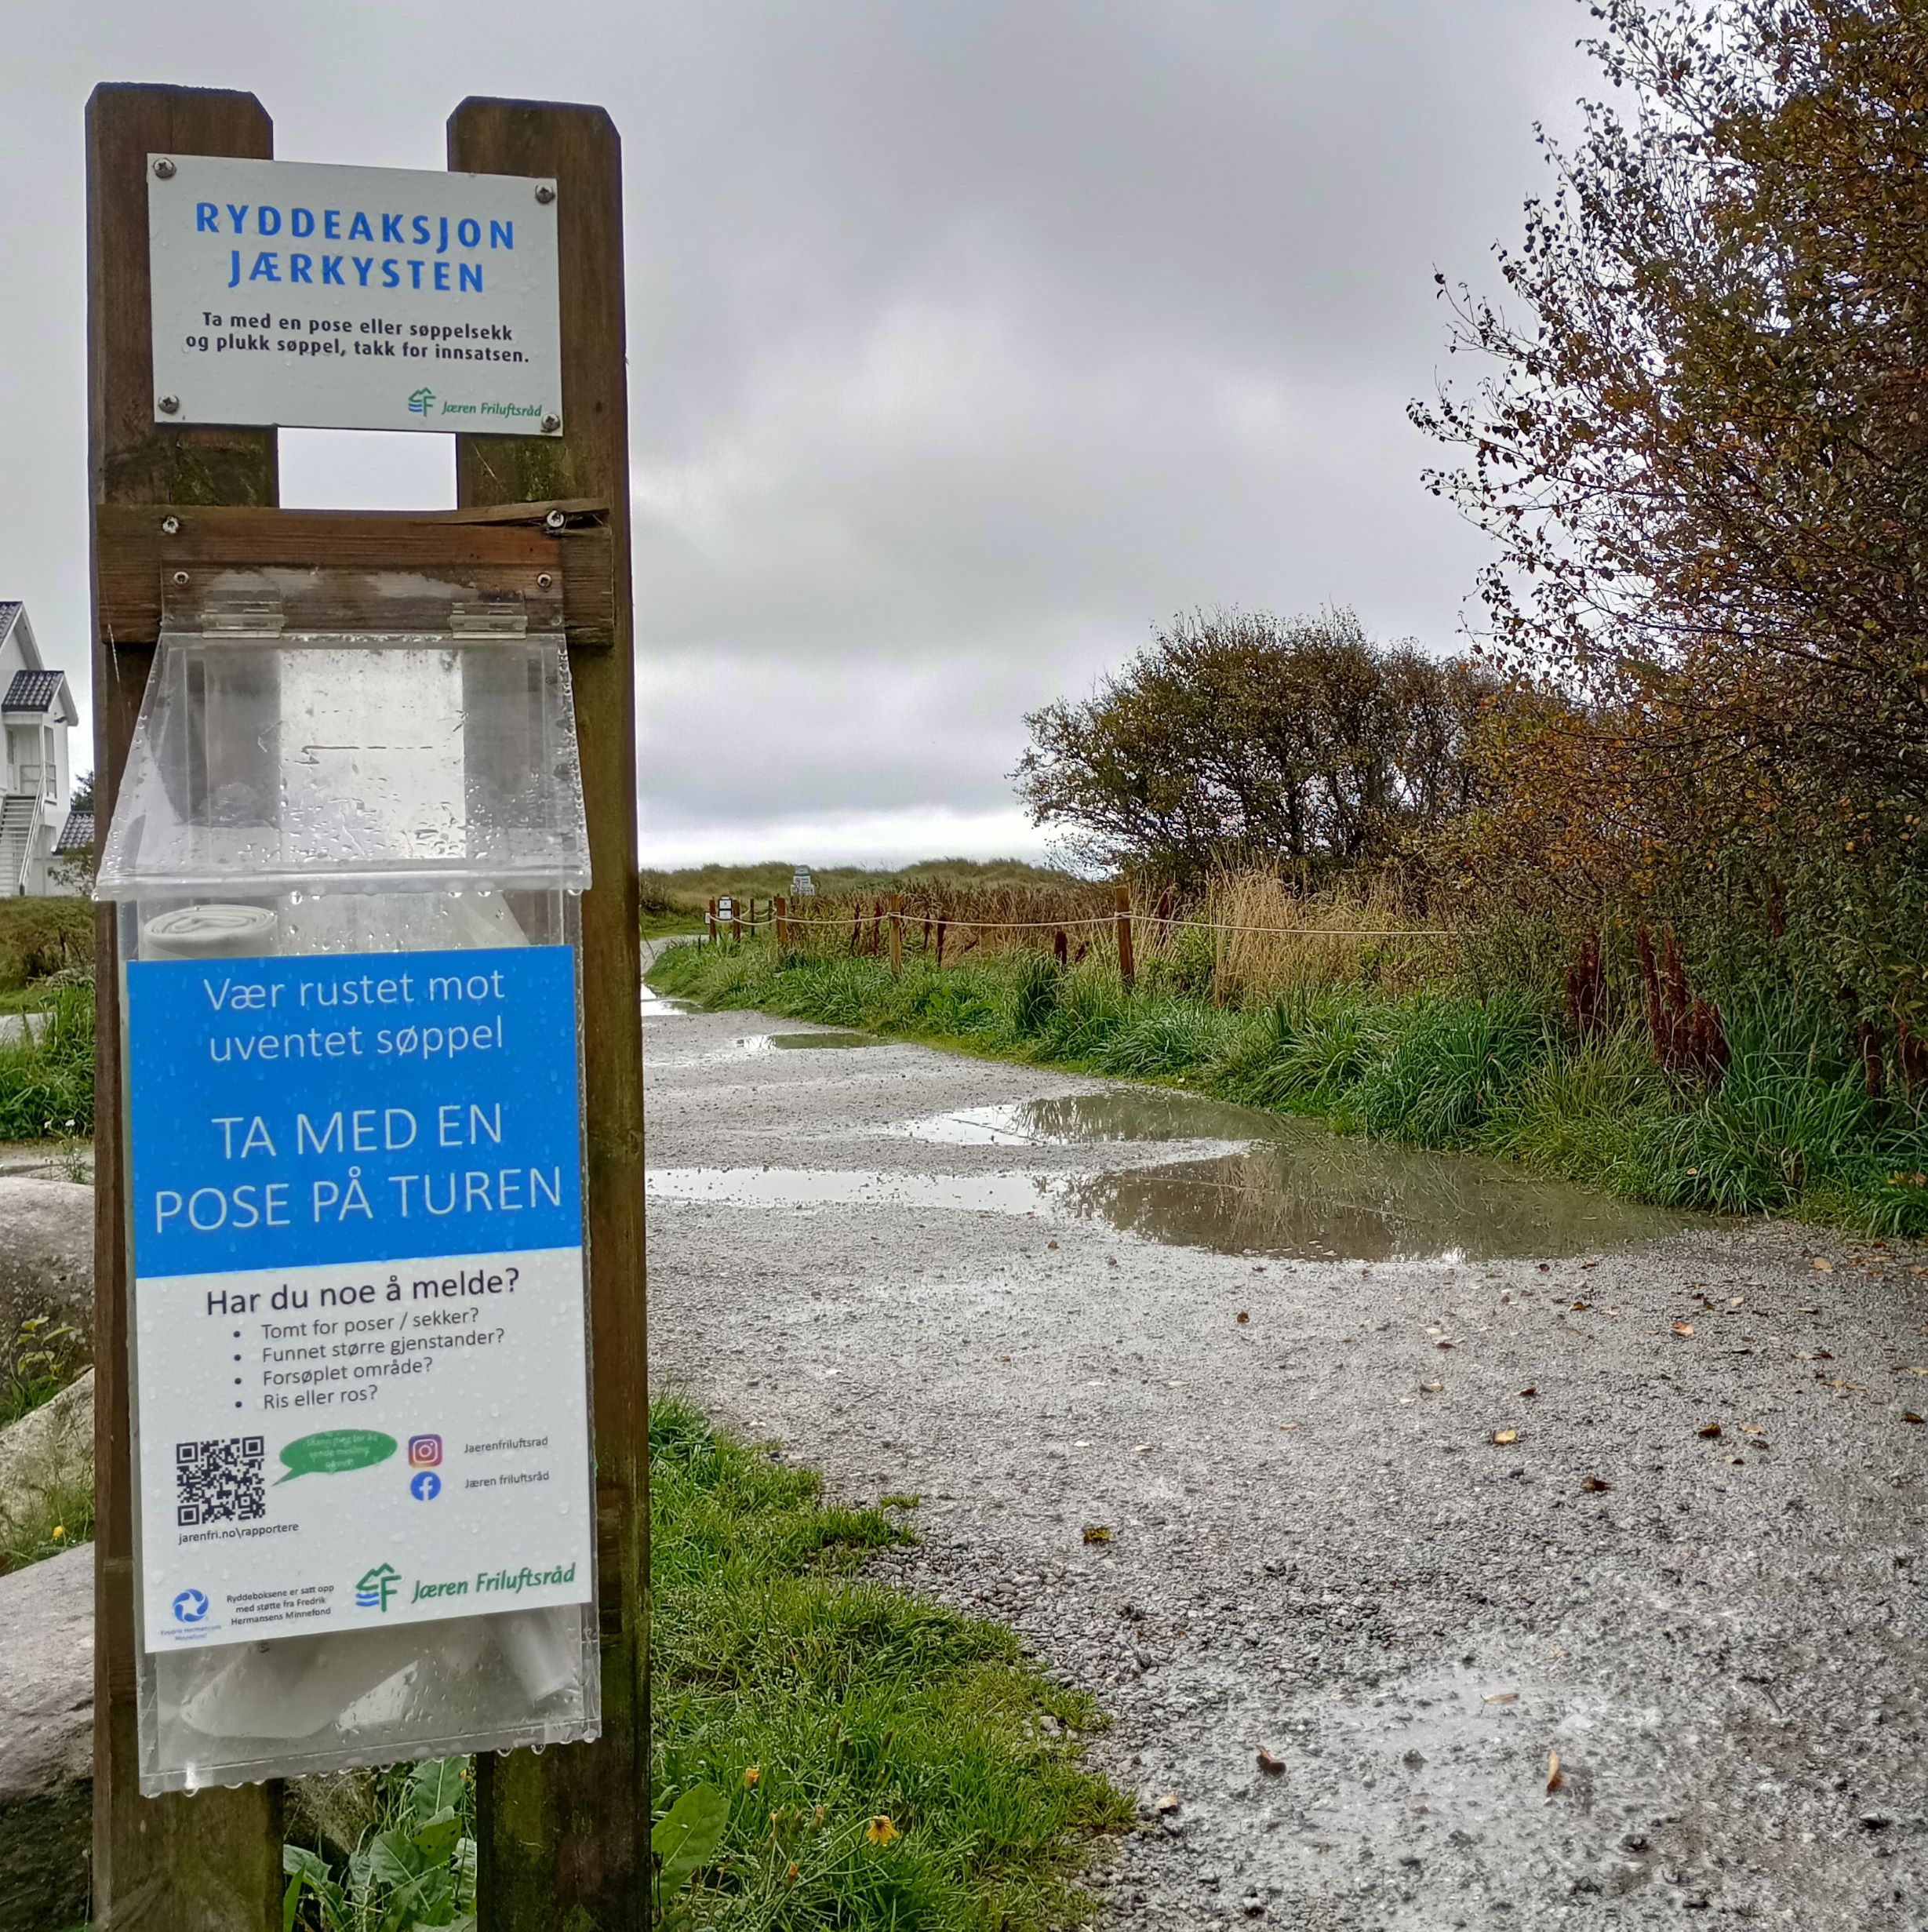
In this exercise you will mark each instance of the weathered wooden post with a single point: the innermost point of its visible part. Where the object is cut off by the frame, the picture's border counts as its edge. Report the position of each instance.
(712, 931)
(897, 934)
(211, 1862)
(1061, 946)
(736, 923)
(780, 912)
(564, 1836)
(1127, 965)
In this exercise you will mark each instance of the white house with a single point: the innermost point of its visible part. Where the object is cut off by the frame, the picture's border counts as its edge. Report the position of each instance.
(36, 713)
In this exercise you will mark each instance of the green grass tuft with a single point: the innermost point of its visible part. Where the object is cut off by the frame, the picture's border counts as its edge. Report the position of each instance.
(46, 1082)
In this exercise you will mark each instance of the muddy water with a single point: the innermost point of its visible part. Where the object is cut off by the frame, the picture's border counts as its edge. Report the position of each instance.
(832, 1042)
(1288, 1189)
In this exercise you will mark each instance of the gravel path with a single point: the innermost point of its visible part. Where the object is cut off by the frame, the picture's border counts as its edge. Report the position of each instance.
(1338, 1627)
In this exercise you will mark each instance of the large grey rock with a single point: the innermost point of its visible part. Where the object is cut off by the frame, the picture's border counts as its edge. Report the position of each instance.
(50, 1448)
(46, 1742)
(46, 1254)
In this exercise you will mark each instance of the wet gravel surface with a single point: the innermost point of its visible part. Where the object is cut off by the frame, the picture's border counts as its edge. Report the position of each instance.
(1338, 1627)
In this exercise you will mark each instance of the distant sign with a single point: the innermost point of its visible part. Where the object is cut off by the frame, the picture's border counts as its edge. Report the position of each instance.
(802, 885)
(353, 298)
(726, 907)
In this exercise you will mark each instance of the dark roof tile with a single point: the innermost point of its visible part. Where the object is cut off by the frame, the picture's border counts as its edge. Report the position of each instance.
(31, 691)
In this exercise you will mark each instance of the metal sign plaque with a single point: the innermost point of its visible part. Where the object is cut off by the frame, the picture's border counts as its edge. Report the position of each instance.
(289, 293)
(357, 1251)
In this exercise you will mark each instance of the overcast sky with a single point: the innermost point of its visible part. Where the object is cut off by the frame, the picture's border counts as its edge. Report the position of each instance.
(968, 340)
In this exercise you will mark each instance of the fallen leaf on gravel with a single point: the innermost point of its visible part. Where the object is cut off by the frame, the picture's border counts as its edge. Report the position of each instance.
(1143, 1449)
(880, 1831)
(1504, 1436)
(1050, 1245)
(1430, 1388)
(1595, 1485)
(1913, 1369)
(1709, 1429)
(1908, 1415)
(1752, 1428)
(1528, 1394)
(1814, 1354)
(1244, 1316)
(1288, 1425)
(1593, 1263)
(1556, 1777)
(1501, 1696)
(1271, 1766)
(1734, 1301)
(1110, 1260)
(1579, 1304)
(1443, 1344)
(1683, 1328)
(1168, 1804)
(1826, 1266)
(1097, 1532)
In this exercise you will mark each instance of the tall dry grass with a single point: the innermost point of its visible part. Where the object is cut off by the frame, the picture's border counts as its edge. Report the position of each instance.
(1269, 939)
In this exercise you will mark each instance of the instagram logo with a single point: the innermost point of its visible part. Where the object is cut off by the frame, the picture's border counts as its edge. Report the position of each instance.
(424, 1451)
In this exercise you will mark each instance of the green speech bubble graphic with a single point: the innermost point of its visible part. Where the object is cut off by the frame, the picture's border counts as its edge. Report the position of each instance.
(336, 1450)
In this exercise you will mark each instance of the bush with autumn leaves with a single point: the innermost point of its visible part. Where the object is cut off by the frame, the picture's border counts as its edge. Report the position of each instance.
(1700, 443)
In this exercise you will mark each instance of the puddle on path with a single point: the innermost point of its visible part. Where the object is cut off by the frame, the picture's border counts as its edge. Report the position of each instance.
(1079, 1120)
(655, 1006)
(1304, 1194)
(793, 1042)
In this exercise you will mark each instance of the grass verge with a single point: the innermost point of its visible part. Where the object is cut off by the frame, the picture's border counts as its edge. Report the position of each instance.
(1791, 1128)
(885, 1759)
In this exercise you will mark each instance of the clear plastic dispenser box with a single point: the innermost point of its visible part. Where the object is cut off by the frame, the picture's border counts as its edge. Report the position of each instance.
(348, 867)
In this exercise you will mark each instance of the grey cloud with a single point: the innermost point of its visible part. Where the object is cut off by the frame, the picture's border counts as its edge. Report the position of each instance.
(968, 340)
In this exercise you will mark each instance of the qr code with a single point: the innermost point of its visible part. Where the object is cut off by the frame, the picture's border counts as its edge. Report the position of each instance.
(218, 1481)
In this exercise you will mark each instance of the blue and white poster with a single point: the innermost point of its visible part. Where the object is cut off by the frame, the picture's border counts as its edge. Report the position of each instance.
(359, 1326)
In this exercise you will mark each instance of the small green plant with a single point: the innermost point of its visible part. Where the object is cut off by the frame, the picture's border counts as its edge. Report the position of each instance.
(43, 1356)
(415, 1869)
(56, 1517)
(681, 1843)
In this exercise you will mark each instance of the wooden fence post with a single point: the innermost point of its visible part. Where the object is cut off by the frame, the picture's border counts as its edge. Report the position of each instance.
(897, 934)
(779, 911)
(210, 1862)
(564, 1837)
(736, 923)
(1127, 965)
(941, 923)
(710, 922)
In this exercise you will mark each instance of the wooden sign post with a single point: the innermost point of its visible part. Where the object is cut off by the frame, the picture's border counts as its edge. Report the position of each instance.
(564, 1836)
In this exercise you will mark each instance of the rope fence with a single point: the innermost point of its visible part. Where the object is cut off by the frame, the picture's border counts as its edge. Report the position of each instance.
(890, 917)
